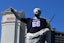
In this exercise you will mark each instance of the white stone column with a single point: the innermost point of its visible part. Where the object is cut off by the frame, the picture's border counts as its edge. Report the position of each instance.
(10, 27)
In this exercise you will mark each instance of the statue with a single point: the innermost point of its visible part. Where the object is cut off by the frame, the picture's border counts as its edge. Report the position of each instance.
(37, 27)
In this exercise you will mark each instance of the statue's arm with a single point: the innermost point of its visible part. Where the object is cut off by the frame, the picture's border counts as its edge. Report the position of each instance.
(25, 20)
(15, 13)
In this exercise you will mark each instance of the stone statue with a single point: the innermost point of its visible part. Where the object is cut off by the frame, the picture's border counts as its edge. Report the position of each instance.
(38, 28)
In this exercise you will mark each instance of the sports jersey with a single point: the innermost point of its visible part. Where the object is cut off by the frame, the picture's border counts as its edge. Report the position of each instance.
(35, 25)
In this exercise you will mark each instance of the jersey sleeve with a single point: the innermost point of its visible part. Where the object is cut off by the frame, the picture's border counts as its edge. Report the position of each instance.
(25, 20)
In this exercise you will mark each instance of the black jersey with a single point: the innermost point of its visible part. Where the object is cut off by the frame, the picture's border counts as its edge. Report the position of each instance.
(35, 25)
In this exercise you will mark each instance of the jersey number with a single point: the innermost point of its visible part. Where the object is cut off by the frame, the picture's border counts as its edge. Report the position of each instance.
(36, 23)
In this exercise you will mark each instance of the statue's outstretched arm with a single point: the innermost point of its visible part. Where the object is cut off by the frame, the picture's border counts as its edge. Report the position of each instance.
(25, 20)
(15, 13)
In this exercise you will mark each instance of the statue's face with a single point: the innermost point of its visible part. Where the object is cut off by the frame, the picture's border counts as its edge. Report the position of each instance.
(37, 11)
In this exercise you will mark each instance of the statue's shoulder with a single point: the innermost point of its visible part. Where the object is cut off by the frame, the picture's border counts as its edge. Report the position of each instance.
(45, 18)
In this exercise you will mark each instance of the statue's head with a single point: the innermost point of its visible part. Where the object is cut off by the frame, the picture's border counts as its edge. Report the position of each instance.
(37, 12)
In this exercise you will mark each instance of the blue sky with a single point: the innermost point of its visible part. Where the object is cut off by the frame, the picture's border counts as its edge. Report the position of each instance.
(48, 7)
